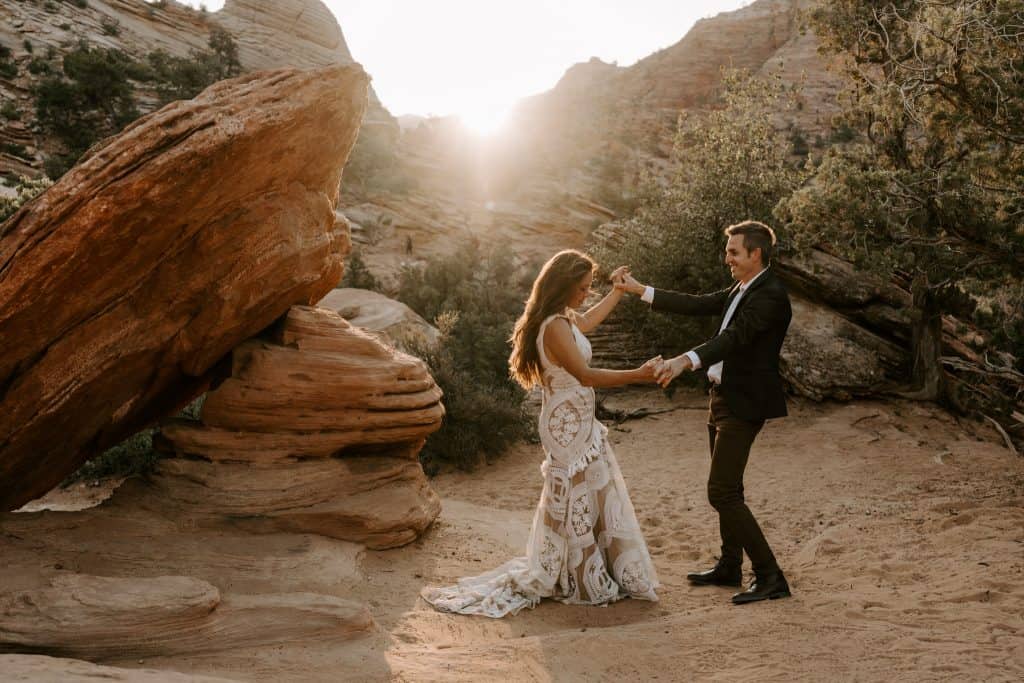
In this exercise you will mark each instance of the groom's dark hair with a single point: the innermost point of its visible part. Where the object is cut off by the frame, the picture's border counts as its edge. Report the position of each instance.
(756, 235)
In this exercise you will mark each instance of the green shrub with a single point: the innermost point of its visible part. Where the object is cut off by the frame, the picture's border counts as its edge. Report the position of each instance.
(357, 274)
(110, 26)
(474, 298)
(8, 67)
(38, 66)
(14, 148)
(181, 78)
(9, 110)
(134, 456)
(28, 45)
(91, 100)
(26, 190)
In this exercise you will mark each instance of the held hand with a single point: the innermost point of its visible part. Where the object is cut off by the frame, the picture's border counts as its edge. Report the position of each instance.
(649, 370)
(672, 369)
(618, 274)
(629, 284)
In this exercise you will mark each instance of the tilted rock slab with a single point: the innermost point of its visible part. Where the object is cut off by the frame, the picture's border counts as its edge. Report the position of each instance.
(168, 245)
(97, 617)
(318, 430)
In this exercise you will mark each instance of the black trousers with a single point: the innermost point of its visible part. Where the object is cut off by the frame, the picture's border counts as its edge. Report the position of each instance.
(730, 439)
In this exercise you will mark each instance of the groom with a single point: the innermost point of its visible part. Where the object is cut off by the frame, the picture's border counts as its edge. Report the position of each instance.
(742, 363)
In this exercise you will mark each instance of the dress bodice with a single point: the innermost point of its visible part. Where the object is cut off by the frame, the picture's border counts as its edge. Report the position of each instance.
(556, 377)
(569, 431)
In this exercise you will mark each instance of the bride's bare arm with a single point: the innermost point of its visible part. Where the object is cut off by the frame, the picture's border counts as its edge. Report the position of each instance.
(599, 311)
(560, 347)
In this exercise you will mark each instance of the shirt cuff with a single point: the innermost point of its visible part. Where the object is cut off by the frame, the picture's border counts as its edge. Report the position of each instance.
(648, 295)
(694, 358)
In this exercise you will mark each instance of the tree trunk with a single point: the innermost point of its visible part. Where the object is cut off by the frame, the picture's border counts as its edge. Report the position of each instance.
(926, 345)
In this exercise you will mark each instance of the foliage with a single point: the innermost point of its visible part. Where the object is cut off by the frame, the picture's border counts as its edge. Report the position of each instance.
(181, 78)
(93, 95)
(9, 110)
(26, 189)
(8, 67)
(935, 188)
(92, 99)
(134, 456)
(358, 275)
(110, 26)
(474, 298)
(732, 166)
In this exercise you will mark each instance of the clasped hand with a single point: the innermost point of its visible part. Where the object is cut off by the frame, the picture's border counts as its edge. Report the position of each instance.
(656, 369)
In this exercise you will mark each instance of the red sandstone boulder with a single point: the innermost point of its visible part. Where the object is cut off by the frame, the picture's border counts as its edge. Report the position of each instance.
(168, 245)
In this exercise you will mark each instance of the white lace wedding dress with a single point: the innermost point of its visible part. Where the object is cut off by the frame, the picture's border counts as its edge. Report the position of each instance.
(585, 545)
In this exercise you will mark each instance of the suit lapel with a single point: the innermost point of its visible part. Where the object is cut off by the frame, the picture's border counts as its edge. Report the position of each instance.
(759, 282)
(728, 299)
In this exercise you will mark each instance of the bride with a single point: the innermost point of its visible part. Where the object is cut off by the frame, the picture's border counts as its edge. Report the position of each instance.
(585, 545)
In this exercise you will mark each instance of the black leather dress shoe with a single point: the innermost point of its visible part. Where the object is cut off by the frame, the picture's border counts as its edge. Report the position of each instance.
(771, 586)
(719, 575)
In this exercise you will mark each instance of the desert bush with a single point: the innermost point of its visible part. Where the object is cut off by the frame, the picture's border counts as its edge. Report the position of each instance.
(26, 189)
(181, 78)
(8, 67)
(38, 66)
(110, 26)
(9, 110)
(474, 299)
(92, 98)
(358, 275)
(134, 456)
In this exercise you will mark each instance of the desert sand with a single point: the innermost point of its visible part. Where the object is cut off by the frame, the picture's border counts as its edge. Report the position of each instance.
(900, 527)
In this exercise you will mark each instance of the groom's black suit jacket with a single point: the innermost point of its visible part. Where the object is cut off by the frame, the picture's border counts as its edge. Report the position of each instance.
(749, 345)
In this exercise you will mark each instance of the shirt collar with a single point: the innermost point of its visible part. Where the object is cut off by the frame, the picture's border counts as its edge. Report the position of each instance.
(752, 280)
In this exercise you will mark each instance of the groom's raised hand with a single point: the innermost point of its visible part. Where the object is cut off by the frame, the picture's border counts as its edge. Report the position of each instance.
(624, 280)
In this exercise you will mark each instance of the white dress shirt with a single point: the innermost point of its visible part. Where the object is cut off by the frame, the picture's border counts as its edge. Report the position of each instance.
(715, 371)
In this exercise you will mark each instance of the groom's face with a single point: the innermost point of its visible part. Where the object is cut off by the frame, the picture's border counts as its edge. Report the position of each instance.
(743, 264)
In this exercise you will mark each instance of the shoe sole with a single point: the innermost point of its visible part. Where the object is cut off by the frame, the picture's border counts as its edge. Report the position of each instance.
(773, 596)
(713, 583)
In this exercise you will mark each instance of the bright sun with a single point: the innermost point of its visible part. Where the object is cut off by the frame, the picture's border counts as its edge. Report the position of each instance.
(483, 119)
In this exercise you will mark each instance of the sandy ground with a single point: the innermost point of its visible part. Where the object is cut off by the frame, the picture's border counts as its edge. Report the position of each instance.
(901, 531)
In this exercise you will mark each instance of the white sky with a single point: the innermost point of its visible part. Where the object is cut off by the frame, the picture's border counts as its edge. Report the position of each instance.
(475, 58)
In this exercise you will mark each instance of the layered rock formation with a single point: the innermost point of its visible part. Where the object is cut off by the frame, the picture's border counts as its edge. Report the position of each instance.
(375, 312)
(97, 618)
(166, 247)
(318, 430)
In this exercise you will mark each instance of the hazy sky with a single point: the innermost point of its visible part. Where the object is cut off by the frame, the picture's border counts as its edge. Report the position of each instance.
(475, 58)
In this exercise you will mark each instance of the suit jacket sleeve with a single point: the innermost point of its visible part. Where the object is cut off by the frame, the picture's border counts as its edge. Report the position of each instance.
(689, 304)
(768, 308)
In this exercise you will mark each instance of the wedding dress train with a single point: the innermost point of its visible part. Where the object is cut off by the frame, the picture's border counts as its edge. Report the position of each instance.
(585, 545)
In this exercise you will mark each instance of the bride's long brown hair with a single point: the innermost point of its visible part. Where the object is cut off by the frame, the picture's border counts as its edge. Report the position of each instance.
(551, 293)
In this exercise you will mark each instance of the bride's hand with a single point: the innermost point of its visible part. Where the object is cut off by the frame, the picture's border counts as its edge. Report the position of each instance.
(618, 278)
(651, 369)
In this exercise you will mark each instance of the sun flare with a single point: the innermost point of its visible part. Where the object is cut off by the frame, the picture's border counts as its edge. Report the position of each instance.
(482, 119)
